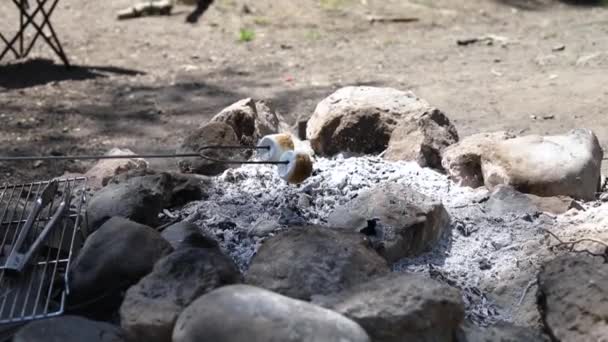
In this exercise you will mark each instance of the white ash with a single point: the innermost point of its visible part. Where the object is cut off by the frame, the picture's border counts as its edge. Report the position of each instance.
(247, 204)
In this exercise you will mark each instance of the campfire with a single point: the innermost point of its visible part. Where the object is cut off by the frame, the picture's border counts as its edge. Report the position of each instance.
(425, 235)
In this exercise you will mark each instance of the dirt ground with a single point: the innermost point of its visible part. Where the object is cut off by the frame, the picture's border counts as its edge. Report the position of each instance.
(144, 83)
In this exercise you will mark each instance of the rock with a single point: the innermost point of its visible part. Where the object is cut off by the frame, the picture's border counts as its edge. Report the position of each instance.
(69, 329)
(566, 165)
(238, 313)
(554, 204)
(241, 116)
(125, 176)
(99, 175)
(462, 160)
(269, 121)
(186, 234)
(152, 306)
(401, 307)
(113, 258)
(505, 200)
(422, 139)
(213, 133)
(573, 292)
(184, 188)
(304, 261)
(139, 199)
(360, 119)
(399, 221)
(501, 332)
(251, 120)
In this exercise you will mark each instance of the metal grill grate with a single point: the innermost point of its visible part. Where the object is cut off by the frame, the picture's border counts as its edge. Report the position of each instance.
(40, 291)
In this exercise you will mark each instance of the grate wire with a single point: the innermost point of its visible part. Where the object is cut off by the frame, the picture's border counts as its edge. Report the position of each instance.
(41, 290)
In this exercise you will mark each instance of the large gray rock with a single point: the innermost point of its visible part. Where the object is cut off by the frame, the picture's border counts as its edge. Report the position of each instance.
(139, 199)
(250, 120)
(462, 160)
(501, 332)
(99, 175)
(152, 306)
(573, 298)
(399, 221)
(422, 139)
(113, 258)
(547, 165)
(69, 329)
(304, 261)
(360, 119)
(401, 307)
(242, 313)
(211, 134)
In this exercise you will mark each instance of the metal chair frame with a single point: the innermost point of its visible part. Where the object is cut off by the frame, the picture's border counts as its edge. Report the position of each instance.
(18, 44)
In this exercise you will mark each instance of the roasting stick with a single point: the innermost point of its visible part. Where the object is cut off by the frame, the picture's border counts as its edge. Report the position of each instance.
(279, 149)
(199, 154)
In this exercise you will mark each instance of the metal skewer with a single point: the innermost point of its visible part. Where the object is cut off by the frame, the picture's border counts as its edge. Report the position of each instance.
(199, 154)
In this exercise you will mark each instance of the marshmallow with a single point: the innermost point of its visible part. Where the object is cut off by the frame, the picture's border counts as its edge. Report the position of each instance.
(298, 169)
(278, 143)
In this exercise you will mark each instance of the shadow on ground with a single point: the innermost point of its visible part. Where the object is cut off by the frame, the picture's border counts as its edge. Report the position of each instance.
(40, 71)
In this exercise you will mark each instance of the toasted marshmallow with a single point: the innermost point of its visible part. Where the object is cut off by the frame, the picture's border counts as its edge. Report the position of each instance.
(277, 143)
(298, 168)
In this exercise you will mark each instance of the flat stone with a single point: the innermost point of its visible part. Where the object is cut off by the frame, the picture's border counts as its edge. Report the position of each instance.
(505, 200)
(554, 204)
(401, 307)
(240, 313)
(304, 261)
(399, 221)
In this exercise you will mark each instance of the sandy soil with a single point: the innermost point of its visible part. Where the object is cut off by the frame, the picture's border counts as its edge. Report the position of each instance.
(144, 83)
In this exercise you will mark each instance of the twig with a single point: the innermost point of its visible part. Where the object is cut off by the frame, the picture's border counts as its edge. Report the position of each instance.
(380, 19)
(526, 289)
(571, 244)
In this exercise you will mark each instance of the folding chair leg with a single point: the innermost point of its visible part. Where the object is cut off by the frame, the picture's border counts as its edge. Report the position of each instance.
(22, 5)
(27, 19)
(8, 48)
(44, 22)
(53, 42)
